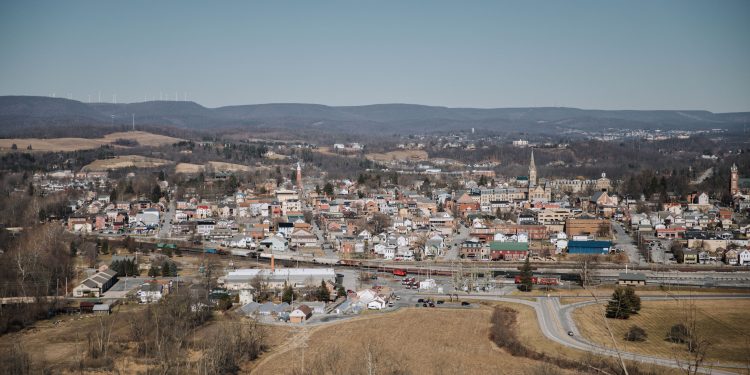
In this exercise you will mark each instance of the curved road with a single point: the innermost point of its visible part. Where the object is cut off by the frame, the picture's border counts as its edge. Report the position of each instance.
(555, 322)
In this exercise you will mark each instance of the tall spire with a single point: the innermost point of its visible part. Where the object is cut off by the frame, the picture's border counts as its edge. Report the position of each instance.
(299, 177)
(532, 170)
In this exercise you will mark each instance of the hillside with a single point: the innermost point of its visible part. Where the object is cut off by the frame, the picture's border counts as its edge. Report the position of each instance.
(19, 111)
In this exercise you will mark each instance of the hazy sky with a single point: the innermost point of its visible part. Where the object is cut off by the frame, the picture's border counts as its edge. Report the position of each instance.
(588, 54)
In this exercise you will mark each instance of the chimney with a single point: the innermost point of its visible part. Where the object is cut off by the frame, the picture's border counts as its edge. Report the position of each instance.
(273, 266)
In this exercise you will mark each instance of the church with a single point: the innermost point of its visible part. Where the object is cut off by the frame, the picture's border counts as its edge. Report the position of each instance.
(536, 192)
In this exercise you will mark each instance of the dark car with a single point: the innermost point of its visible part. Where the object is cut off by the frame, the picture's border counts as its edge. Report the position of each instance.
(432, 304)
(464, 303)
(440, 302)
(420, 300)
(570, 333)
(424, 305)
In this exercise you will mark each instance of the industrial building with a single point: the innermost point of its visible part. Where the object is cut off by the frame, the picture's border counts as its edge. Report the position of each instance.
(277, 278)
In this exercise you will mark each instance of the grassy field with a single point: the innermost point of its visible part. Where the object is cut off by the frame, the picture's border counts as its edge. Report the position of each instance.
(125, 161)
(420, 341)
(75, 144)
(721, 321)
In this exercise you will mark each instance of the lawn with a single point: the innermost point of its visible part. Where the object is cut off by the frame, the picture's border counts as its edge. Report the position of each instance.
(721, 321)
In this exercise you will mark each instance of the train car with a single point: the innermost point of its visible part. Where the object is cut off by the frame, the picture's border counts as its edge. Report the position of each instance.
(399, 272)
(211, 251)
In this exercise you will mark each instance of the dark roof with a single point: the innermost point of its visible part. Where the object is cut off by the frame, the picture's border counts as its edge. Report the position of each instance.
(632, 277)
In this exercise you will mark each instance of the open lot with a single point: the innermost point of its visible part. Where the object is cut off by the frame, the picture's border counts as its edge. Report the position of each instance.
(411, 155)
(75, 144)
(125, 161)
(720, 321)
(419, 341)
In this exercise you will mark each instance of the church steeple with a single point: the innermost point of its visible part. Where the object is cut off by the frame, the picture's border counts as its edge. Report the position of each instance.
(532, 170)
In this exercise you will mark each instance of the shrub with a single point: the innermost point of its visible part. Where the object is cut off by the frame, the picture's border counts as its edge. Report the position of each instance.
(636, 333)
(678, 334)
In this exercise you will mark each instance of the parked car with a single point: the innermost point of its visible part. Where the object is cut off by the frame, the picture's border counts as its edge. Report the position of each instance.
(464, 303)
(570, 333)
(424, 305)
(440, 302)
(420, 300)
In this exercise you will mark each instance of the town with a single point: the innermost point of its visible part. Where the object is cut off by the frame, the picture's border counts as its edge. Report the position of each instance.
(374, 188)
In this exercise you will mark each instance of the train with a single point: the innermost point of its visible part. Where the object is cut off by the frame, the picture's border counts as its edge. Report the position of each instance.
(536, 280)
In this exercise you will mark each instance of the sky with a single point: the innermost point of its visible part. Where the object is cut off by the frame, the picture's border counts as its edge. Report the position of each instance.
(588, 54)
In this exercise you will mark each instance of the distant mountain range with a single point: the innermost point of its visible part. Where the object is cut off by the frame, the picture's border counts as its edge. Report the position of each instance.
(18, 112)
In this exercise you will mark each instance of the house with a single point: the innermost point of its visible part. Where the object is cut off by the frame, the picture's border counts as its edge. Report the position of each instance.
(508, 250)
(731, 257)
(300, 314)
(273, 243)
(96, 285)
(690, 256)
(633, 279)
(150, 292)
(589, 247)
(744, 258)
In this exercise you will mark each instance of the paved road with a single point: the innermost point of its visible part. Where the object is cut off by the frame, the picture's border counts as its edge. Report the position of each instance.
(625, 242)
(166, 225)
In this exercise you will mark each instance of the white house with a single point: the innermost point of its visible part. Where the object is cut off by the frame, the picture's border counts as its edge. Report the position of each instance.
(745, 257)
(150, 292)
(273, 243)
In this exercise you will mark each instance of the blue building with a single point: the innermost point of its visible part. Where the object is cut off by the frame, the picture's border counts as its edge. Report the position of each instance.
(589, 247)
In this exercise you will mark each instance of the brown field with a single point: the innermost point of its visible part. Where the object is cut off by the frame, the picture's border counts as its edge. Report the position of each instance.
(419, 341)
(218, 166)
(59, 348)
(412, 155)
(125, 161)
(720, 321)
(75, 144)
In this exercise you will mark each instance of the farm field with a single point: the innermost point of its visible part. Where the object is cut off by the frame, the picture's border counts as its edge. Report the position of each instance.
(75, 144)
(218, 166)
(721, 321)
(125, 161)
(444, 342)
(413, 155)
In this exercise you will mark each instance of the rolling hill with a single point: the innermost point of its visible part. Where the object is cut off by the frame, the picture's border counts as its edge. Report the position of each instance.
(17, 112)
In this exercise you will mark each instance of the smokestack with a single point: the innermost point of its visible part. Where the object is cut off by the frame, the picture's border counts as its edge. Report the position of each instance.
(273, 263)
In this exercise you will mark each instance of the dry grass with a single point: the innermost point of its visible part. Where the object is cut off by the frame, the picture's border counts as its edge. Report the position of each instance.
(189, 168)
(723, 322)
(420, 341)
(220, 166)
(75, 144)
(126, 161)
(412, 155)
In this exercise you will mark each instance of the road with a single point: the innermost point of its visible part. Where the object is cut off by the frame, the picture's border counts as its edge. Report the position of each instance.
(625, 242)
(555, 322)
(165, 230)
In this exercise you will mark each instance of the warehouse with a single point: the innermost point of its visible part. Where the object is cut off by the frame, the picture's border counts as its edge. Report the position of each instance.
(277, 278)
(589, 247)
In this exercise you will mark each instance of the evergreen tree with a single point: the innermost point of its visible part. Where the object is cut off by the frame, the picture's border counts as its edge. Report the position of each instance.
(172, 269)
(113, 195)
(288, 294)
(153, 271)
(323, 293)
(156, 193)
(341, 291)
(165, 269)
(328, 189)
(619, 306)
(526, 276)
(634, 301)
